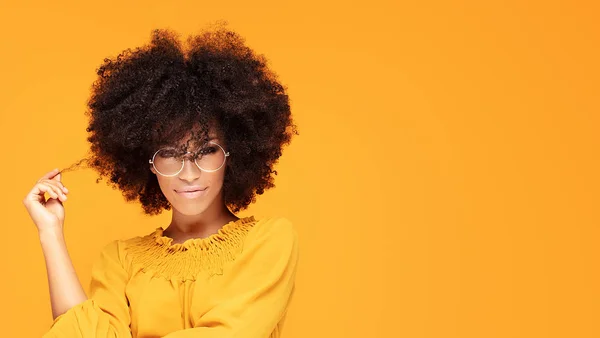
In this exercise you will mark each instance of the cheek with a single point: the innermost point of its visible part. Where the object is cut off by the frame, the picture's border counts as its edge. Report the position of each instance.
(213, 180)
(165, 186)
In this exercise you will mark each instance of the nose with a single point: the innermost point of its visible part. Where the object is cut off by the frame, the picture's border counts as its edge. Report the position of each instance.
(190, 171)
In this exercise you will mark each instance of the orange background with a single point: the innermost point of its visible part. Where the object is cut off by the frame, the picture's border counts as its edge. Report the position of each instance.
(445, 182)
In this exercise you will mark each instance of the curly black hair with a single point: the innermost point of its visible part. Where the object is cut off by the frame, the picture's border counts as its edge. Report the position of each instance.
(153, 95)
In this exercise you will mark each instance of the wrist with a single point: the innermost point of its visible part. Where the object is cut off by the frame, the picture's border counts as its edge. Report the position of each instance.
(51, 235)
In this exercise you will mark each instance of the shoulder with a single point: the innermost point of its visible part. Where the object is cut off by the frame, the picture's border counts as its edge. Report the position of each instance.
(113, 249)
(275, 228)
(112, 255)
(145, 239)
(276, 234)
(118, 249)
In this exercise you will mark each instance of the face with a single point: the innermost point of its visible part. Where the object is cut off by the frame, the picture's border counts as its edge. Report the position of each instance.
(191, 177)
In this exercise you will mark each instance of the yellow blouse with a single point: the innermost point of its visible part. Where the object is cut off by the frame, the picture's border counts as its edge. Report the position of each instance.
(236, 283)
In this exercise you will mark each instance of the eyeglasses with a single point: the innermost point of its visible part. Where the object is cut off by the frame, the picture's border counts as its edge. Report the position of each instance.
(210, 158)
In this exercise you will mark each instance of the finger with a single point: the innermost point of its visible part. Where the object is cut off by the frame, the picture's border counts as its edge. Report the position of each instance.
(56, 180)
(57, 177)
(61, 194)
(51, 191)
(49, 174)
(55, 191)
(39, 190)
(36, 195)
(61, 183)
(58, 184)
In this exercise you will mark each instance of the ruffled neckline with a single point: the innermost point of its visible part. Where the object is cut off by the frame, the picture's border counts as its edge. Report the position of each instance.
(226, 234)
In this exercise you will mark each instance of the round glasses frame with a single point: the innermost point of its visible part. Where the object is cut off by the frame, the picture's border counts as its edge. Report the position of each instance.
(151, 161)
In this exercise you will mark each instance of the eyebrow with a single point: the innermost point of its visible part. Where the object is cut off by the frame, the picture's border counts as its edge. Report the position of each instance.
(211, 138)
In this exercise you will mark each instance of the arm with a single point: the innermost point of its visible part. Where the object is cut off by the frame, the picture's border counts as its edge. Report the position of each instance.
(256, 289)
(106, 312)
(64, 286)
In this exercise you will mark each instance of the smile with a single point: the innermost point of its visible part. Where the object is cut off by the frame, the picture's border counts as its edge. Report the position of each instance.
(191, 194)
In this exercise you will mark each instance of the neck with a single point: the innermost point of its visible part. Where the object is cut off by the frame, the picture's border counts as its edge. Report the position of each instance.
(202, 225)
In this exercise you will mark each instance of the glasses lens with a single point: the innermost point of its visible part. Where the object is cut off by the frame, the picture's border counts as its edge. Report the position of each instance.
(166, 161)
(211, 157)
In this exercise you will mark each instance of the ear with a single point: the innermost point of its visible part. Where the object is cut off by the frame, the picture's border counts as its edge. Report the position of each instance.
(152, 169)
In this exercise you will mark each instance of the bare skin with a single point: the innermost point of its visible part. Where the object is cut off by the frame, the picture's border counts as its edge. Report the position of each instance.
(49, 216)
(192, 218)
(201, 217)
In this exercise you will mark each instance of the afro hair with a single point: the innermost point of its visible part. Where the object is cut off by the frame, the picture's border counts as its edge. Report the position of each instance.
(153, 95)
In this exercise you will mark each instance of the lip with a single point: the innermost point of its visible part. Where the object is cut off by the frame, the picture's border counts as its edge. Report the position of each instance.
(192, 194)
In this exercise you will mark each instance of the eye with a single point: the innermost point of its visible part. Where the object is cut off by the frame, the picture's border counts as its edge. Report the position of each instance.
(167, 152)
(208, 150)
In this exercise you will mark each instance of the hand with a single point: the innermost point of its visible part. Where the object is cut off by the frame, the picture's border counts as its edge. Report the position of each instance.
(47, 214)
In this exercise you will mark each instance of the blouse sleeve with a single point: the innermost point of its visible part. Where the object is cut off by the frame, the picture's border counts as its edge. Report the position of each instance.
(256, 288)
(106, 312)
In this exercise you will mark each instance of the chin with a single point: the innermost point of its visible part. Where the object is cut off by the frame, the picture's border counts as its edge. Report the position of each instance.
(189, 211)
(190, 207)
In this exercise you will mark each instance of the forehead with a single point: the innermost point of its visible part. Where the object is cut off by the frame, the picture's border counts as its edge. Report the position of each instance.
(211, 137)
(190, 137)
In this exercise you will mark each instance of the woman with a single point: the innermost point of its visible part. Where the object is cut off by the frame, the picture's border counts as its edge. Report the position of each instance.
(195, 129)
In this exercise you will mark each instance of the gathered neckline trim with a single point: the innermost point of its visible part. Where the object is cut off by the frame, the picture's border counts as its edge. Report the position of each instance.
(224, 234)
(157, 255)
